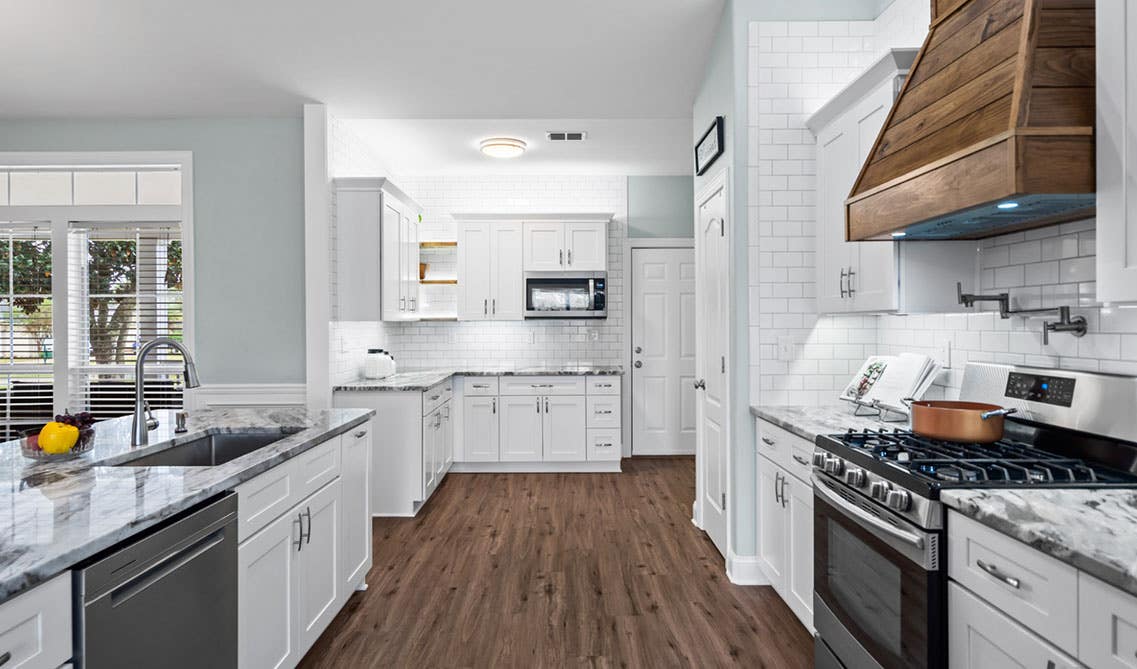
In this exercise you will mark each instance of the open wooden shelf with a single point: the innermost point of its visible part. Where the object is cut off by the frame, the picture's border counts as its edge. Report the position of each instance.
(437, 245)
(438, 282)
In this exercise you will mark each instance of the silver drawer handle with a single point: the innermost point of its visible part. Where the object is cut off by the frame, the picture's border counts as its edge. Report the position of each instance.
(605, 412)
(540, 385)
(607, 445)
(603, 385)
(434, 397)
(994, 571)
(361, 434)
(4, 658)
(800, 460)
(768, 441)
(481, 385)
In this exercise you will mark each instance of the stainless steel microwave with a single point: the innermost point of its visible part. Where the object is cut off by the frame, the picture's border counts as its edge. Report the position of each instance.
(566, 295)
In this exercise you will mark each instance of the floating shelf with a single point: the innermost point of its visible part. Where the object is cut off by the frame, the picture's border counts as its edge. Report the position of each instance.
(437, 245)
(438, 282)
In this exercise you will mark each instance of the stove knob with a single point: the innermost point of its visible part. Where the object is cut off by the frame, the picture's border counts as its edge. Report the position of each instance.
(819, 459)
(879, 491)
(834, 466)
(899, 500)
(855, 478)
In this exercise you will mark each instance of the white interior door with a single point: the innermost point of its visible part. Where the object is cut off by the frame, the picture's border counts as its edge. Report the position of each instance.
(663, 351)
(507, 301)
(712, 270)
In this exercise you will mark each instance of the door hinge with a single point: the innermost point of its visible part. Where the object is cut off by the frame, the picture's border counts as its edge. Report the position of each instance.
(723, 358)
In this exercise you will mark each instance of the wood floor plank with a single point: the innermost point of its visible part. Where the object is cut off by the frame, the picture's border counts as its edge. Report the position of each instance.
(558, 570)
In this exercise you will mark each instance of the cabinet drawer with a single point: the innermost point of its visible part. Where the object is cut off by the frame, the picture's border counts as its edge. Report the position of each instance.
(604, 445)
(603, 385)
(1031, 587)
(35, 627)
(479, 385)
(437, 395)
(785, 449)
(1107, 625)
(316, 467)
(981, 637)
(542, 385)
(604, 411)
(265, 498)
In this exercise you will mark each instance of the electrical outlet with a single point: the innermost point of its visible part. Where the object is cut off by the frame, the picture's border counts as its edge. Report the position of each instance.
(593, 334)
(785, 348)
(943, 352)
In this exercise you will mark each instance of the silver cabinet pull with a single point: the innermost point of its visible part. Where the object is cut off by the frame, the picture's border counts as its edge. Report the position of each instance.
(300, 539)
(851, 275)
(768, 441)
(538, 405)
(603, 412)
(495, 405)
(844, 274)
(778, 487)
(800, 460)
(998, 575)
(603, 385)
(561, 255)
(4, 658)
(434, 397)
(495, 305)
(540, 385)
(402, 304)
(481, 385)
(570, 257)
(413, 303)
(546, 405)
(308, 513)
(361, 434)
(785, 482)
(485, 307)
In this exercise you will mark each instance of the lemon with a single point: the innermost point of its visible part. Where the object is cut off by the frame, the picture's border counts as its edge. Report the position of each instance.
(56, 438)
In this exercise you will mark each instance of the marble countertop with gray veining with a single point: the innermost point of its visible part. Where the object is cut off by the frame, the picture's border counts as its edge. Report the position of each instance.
(809, 421)
(417, 380)
(56, 514)
(1093, 530)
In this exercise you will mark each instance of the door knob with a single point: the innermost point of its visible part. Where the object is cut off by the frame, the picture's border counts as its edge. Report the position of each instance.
(701, 384)
(639, 363)
(639, 349)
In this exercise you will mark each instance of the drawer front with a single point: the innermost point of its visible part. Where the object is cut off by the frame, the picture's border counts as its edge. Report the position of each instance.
(542, 385)
(604, 411)
(604, 445)
(264, 498)
(603, 385)
(436, 396)
(1031, 587)
(316, 467)
(982, 637)
(35, 627)
(1107, 625)
(479, 385)
(784, 448)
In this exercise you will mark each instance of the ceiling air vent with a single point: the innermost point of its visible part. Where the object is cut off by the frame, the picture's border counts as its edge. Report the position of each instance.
(564, 136)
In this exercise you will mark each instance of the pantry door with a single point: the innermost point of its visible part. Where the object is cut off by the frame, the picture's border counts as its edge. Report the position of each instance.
(663, 351)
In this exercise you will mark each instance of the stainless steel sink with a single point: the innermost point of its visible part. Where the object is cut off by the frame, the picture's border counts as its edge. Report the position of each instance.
(207, 451)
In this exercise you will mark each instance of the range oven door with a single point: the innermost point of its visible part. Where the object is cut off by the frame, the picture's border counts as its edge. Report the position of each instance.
(566, 295)
(879, 589)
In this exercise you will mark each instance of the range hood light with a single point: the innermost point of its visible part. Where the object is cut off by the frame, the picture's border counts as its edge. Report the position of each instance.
(899, 234)
(502, 147)
(1008, 205)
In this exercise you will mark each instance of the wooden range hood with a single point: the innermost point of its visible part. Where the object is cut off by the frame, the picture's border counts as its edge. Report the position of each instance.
(998, 109)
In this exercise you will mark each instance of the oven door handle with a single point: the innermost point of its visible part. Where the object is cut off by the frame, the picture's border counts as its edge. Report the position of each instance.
(866, 517)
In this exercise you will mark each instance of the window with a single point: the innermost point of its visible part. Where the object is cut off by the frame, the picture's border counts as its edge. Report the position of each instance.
(96, 271)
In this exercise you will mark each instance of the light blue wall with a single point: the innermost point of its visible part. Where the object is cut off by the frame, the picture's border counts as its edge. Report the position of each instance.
(809, 10)
(248, 230)
(661, 206)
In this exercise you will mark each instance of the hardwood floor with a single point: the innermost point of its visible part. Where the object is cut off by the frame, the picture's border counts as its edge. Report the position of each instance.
(557, 570)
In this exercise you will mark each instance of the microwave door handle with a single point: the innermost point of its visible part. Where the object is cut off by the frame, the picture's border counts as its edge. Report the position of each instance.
(865, 517)
(592, 294)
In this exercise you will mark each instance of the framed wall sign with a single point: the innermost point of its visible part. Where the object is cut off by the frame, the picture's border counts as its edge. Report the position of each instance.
(709, 147)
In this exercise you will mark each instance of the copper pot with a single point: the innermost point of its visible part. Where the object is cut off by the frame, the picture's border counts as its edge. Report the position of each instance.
(972, 422)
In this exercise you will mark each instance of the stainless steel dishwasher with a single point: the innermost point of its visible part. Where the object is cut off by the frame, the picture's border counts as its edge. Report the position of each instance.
(166, 600)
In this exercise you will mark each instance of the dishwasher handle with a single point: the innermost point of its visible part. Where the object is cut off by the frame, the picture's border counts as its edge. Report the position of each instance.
(166, 566)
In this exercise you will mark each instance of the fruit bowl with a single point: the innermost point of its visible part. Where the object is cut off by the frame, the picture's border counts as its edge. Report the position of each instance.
(29, 446)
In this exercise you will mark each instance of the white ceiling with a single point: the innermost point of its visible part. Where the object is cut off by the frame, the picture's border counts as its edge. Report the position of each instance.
(365, 58)
(429, 147)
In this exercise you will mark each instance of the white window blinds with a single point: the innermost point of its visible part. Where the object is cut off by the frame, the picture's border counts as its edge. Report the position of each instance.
(26, 344)
(124, 289)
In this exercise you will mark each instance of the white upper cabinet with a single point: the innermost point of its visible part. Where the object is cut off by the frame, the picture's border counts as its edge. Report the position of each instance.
(490, 285)
(544, 246)
(377, 251)
(1116, 151)
(586, 246)
(874, 276)
(507, 296)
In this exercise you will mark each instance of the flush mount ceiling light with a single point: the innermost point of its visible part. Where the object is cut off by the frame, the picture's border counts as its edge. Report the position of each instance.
(502, 147)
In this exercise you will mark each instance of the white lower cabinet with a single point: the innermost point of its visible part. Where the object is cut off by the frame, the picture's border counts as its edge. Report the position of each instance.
(35, 626)
(294, 571)
(772, 530)
(982, 637)
(480, 429)
(1107, 625)
(521, 425)
(563, 429)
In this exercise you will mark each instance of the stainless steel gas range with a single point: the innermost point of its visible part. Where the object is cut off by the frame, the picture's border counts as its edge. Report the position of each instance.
(880, 578)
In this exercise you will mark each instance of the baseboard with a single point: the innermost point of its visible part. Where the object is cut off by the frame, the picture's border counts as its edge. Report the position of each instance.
(534, 467)
(247, 395)
(745, 570)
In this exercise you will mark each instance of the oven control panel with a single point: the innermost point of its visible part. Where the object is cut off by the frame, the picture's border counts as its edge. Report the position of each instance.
(1055, 390)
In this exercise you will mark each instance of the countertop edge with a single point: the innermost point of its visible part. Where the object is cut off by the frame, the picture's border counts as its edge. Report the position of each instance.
(434, 378)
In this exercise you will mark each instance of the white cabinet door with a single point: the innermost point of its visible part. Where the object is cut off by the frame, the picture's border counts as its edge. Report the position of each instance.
(358, 252)
(521, 428)
(394, 298)
(355, 532)
(1107, 625)
(771, 525)
(475, 270)
(429, 435)
(447, 437)
(480, 429)
(586, 247)
(439, 444)
(836, 158)
(507, 292)
(564, 422)
(265, 595)
(544, 246)
(873, 282)
(410, 227)
(1116, 151)
(317, 566)
(981, 637)
(799, 548)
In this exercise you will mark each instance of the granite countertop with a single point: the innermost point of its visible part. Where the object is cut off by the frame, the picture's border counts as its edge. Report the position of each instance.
(809, 421)
(417, 380)
(56, 514)
(1093, 530)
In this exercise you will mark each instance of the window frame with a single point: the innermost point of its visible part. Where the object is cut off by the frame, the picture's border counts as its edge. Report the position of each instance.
(60, 218)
